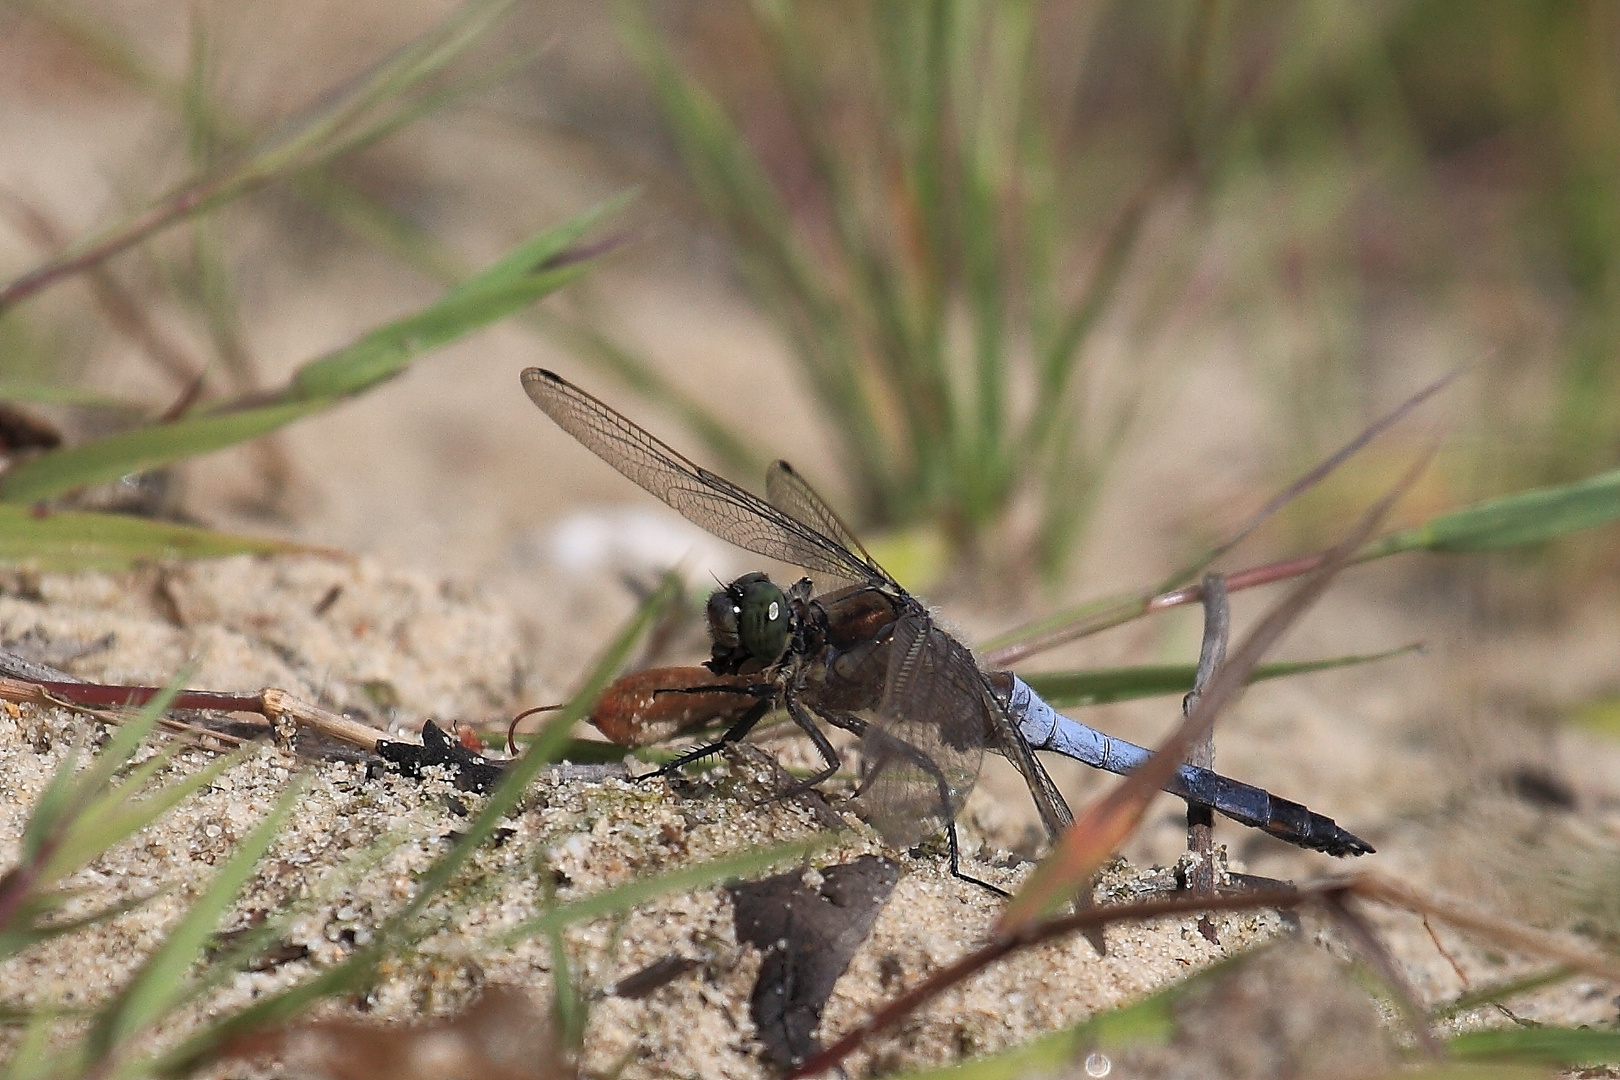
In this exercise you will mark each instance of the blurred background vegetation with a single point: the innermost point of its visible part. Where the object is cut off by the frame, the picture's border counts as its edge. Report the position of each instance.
(992, 239)
(963, 260)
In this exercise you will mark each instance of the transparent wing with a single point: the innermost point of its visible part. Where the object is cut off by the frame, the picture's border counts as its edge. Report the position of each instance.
(792, 494)
(703, 498)
(1004, 737)
(926, 740)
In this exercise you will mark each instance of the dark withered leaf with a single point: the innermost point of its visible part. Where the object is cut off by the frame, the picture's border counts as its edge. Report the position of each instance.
(659, 973)
(808, 936)
(472, 771)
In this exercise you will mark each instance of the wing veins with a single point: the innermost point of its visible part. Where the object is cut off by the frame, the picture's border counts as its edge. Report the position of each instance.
(704, 498)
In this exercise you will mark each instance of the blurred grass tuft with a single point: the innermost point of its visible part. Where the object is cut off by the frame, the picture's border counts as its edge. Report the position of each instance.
(911, 226)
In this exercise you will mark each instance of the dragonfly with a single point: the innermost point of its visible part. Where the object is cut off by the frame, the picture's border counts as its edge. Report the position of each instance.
(851, 648)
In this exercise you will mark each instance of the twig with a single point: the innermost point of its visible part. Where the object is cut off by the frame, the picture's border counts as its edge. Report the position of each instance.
(286, 713)
(283, 709)
(1211, 655)
(1577, 956)
(122, 309)
(1379, 959)
(1101, 615)
(33, 693)
(1583, 957)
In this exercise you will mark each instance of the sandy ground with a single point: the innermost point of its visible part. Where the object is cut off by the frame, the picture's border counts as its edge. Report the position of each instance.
(490, 552)
(357, 837)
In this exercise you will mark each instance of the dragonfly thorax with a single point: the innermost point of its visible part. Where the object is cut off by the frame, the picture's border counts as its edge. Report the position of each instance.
(750, 620)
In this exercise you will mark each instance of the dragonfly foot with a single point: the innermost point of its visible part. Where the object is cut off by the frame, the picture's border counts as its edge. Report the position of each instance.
(957, 872)
(956, 864)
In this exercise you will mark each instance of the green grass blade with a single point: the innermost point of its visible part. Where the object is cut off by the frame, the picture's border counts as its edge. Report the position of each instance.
(739, 192)
(63, 802)
(30, 932)
(530, 271)
(534, 255)
(281, 1007)
(551, 741)
(21, 925)
(75, 540)
(510, 285)
(51, 810)
(105, 460)
(95, 802)
(122, 746)
(1150, 1021)
(35, 1053)
(1529, 517)
(1567, 1047)
(161, 984)
(1103, 686)
(384, 352)
(392, 232)
(622, 898)
(344, 121)
(568, 1005)
(1494, 995)
(55, 394)
(117, 815)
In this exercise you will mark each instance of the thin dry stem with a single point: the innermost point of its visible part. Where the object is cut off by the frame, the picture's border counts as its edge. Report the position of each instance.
(1579, 956)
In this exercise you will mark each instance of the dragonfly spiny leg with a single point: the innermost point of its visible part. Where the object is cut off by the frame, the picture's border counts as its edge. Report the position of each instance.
(807, 722)
(892, 749)
(735, 733)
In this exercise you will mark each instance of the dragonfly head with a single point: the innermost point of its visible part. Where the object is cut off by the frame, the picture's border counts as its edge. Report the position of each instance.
(751, 616)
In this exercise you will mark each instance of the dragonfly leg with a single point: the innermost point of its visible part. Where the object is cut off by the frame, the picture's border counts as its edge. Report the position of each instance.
(807, 723)
(956, 865)
(805, 720)
(890, 749)
(735, 733)
(756, 691)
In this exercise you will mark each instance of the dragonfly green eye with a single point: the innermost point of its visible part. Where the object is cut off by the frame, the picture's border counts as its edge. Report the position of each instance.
(751, 613)
(762, 625)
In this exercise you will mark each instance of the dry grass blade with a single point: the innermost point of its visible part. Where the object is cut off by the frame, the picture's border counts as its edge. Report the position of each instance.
(1582, 956)
(1389, 971)
(1098, 615)
(353, 117)
(1330, 891)
(1032, 935)
(1329, 464)
(123, 310)
(1106, 825)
